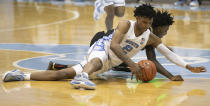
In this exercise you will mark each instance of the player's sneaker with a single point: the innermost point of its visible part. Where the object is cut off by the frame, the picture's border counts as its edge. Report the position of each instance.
(81, 81)
(180, 2)
(55, 66)
(194, 3)
(51, 66)
(15, 75)
(122, 67)
(99, 9)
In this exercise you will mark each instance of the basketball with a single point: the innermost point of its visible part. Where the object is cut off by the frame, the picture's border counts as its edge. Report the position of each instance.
(149, 70)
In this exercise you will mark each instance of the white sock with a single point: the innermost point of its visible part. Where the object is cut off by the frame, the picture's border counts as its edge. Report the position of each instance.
(27, 77)
(85, 73)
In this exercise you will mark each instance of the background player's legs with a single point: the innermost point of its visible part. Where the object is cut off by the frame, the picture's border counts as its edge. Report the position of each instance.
(110, 12)
(119, 11)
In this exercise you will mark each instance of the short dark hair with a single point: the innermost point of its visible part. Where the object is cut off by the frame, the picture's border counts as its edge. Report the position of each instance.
(162, 18)
(145, 10)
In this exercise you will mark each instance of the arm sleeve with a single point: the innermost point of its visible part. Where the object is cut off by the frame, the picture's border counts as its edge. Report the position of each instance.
(174, 58)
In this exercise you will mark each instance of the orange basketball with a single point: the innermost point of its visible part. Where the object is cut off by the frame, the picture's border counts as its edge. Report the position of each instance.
(149, 70)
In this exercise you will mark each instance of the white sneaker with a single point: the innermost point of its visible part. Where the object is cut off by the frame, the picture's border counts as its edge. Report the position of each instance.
(15, 75)
(180, 2)
(82, 81)
(99, 9)
(194, 3)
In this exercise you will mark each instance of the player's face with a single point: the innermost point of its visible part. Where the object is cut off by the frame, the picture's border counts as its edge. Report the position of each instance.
(144, 23)
(161, 31)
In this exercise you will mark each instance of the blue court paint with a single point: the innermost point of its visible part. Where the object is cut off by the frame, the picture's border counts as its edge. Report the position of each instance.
(73, 54)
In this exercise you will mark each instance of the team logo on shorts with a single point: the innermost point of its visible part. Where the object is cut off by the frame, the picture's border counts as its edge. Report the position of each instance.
(142, 41)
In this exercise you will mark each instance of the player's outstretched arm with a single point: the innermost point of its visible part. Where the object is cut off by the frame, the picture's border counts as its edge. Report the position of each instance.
(178, 60)
(160, 69)
(171, 56)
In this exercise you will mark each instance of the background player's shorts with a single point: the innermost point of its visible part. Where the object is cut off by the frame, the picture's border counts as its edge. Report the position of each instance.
(97, 50)
(116, 3)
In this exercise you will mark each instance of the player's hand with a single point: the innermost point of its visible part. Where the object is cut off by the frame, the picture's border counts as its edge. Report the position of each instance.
(177, 78)
(136, 69)
(196, 69)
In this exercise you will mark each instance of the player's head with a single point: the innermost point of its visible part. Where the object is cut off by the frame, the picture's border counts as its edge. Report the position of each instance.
(161, 23)
(144, 16)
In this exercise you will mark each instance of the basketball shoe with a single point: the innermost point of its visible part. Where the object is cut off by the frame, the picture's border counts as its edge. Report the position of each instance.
(56, 66)
(180, 2)
(81, 81)
(194, 3)
(15, 75)
(99, 9)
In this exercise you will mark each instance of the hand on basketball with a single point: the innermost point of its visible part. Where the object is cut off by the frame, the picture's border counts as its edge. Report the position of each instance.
(196, 69)
(136, 69)
(177, 78)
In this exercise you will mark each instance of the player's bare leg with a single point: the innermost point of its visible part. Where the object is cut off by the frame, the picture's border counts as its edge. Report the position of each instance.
(67, 73)
(110, 12)
(17, 75)
(119, 11)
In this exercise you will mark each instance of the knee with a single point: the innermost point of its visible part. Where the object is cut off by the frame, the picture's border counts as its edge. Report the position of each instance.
(120, 11)
(96, 63)
(120, 14)
(110, 11)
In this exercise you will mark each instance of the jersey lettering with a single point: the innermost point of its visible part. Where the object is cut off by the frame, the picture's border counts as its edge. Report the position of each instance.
(129, 46)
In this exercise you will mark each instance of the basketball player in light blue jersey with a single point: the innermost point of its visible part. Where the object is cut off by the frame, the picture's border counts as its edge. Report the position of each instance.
(128, 39)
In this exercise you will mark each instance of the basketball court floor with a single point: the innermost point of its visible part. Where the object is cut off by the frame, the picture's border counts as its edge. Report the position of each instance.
(34, 33)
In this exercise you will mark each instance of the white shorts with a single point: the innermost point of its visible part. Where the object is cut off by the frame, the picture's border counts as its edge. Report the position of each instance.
(116, 3)
(97, 50)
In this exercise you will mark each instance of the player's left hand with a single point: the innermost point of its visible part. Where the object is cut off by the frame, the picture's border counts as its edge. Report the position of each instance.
(177, 78)
(196, 69)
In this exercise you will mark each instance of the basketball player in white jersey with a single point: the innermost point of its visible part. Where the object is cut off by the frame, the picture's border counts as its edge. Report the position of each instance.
(128, 38)
(160, 26)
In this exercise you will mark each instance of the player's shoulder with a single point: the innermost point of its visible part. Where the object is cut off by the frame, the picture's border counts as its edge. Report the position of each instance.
(125, 22)
(124, 25)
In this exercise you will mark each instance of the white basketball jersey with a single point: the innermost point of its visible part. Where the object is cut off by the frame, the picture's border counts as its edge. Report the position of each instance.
(130, 44)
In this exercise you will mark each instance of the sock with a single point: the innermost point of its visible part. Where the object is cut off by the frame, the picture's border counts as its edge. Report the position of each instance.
(27, 77)
(85, 74)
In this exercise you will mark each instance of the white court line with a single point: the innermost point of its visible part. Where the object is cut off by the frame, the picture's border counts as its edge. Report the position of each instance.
(76, 15)
(16, 64)
(189, 48)
(59, 56)
(44, 44)
(29, 51)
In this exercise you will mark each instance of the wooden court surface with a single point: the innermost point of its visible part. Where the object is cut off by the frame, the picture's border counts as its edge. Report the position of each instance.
(44, 23)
